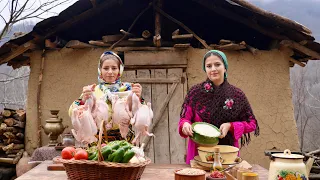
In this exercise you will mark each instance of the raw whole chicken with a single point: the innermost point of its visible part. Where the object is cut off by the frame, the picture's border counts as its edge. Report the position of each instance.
(83, 123)
(101, 113)
(121, 113)
(141, 121)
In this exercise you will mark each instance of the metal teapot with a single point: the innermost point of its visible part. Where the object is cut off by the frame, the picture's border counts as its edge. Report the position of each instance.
(287, 166)
(53, 127)
(68, 140)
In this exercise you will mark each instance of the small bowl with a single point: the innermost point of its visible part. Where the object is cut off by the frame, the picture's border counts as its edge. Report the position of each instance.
(178, 176)
(202, 140)
(228, 153)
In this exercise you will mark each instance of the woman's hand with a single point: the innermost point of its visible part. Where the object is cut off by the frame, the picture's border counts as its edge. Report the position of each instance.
(87, 92)
(224, 128)
(137, 89)
(187, 129)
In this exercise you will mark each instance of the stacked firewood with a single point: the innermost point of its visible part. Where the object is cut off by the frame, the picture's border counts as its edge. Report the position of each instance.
(12, 125)
(143, 40)
(314, 165)
(231, 45)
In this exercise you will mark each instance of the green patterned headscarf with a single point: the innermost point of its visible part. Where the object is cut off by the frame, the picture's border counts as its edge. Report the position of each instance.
(221, 55)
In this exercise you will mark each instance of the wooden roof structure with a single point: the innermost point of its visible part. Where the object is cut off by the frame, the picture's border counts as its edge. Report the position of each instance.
(163, 24)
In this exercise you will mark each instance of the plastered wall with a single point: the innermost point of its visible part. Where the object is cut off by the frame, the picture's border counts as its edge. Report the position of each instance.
(263, 77)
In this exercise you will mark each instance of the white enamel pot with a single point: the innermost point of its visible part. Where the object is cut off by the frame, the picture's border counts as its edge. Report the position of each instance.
(287, 166)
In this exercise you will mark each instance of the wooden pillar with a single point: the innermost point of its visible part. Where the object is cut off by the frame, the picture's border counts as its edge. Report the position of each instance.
(157, 33)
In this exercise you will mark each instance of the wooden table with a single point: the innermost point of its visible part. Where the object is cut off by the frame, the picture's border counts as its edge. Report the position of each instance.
(152, 172)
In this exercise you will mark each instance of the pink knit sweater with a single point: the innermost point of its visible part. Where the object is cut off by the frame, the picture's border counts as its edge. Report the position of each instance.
(237, 129)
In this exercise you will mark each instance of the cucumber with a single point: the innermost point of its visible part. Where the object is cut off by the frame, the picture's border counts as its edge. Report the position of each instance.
(126, 147)
(127, 156)
(110, 157)
(113, 143)
(124, 143)
(115, 147)
(95, 158)
(106, 152)
(93, 155)
(118, 155)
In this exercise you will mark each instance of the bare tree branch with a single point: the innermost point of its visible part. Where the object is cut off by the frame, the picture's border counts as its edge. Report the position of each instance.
(4, 6)
(312, 95)
(3, 19)
(27, 10)
(43, 11)
(11, 79)
(16, 5)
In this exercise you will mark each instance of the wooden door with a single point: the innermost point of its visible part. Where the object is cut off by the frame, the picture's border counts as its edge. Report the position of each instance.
(167, 146)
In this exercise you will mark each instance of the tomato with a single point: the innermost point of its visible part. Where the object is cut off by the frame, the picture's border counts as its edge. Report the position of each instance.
(217, 174)
(68, 152)
(81, 154)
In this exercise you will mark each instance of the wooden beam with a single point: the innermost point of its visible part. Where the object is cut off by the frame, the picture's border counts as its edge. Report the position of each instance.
(225, 41)
(137, 39)
(183, 36)
(131, 26)
(232, 46)
(237, 18)
(121, 43)
(183, 26)
(176, 32)
(146, 34)
(157, 22)
(111, 38)
(154, 80)
(20, 50)
(300, 48)
(78, 45)
(169, 66)
(147, 48)
(252, 49)
(182, 46)
(282, 20)
(297, 62)
(39, 112)
(126, 33)
(155, 57)
(100, 43)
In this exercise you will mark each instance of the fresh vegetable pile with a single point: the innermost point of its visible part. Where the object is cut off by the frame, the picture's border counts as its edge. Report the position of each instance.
(114, 151)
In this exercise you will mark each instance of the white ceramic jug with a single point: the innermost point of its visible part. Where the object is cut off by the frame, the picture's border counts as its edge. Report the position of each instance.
(287, 166)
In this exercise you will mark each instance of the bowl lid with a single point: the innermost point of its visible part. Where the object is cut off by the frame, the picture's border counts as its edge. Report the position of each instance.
(287, 155)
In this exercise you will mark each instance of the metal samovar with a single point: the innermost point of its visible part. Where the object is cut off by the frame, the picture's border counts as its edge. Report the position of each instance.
(53, 127)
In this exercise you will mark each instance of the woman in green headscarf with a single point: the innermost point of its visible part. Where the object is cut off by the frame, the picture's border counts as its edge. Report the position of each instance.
(217, 102)
(110, 69)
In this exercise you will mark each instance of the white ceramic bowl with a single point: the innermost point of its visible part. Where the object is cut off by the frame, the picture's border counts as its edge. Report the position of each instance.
(228, 153)
(208, 164)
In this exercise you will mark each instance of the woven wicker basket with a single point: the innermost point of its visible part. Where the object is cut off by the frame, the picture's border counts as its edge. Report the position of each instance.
(88, 169)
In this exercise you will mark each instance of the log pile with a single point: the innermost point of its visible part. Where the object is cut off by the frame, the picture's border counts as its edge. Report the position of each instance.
(231, 45)
(12, 125)
(315, 165)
